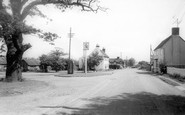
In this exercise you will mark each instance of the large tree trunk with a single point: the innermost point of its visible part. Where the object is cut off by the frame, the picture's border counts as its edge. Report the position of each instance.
(15, 50)
(14, 66)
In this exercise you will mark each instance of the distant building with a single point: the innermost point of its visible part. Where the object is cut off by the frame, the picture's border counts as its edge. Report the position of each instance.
(104, 64)
(116, 63)
(30, 64)
(170, 52)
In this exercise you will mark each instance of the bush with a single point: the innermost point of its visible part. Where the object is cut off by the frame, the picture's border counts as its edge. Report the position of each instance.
(163, 68)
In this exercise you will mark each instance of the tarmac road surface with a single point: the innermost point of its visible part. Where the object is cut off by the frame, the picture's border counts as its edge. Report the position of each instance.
(126, 92)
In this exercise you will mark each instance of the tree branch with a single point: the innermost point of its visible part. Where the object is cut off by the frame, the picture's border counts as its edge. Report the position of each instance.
(26, 47)
(16, 7)
(84, 4)
(1, 4)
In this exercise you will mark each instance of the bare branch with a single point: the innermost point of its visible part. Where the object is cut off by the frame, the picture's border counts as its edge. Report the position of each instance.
(27, 9)
(1, 4)
(84, 4)
(26, 47)
(16, 7)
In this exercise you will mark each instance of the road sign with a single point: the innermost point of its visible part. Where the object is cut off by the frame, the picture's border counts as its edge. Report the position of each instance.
(86, 45)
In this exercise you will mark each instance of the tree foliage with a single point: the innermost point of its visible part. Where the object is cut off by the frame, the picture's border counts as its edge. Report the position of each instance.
(13, 14)
(144, 65)
(54, 60)
(131, 62)
(94, 60)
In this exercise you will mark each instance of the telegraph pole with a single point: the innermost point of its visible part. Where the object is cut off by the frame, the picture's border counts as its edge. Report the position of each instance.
(70, 63)
(70, 36)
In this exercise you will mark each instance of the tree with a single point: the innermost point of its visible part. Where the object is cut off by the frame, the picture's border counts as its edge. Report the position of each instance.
(131, 62)
(13, 14)
(94, 60)
(144, 65)
(54, 60)
(45, 61)
(57, 62)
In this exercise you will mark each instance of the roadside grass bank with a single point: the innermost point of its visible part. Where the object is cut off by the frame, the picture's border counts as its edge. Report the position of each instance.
(19, 88)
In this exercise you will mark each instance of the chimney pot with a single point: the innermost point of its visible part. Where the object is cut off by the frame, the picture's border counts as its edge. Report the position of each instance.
(175, 31)
(103, 50)
(97, 45)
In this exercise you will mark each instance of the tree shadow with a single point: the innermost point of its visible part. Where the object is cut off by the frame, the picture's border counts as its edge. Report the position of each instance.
(148, 73)
(132, 104)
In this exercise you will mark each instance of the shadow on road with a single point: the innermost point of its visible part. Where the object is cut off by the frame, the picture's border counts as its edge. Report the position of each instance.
(148, 73)
(132, 104)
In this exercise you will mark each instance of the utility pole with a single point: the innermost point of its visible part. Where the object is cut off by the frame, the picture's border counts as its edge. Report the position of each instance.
(70, 63)
(70, 36)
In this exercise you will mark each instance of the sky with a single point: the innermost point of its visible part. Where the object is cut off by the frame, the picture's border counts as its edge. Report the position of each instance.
(126, 29)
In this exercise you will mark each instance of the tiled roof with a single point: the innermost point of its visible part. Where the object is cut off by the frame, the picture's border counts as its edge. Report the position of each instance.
(111, 60)
(32, 62)
(162, 43)
(166, 40)
(104, 54)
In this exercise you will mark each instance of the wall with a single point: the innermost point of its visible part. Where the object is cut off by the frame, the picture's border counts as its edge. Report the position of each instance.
(176, 50)
(104, 65)
(172, 70)
(182, 52)
(159, 54)
(168, 52)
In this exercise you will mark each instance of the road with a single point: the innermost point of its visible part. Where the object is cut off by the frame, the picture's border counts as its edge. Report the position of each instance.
(131, 92)
(127, 91)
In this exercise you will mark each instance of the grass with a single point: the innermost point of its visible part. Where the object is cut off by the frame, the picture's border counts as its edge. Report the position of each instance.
(18, 88)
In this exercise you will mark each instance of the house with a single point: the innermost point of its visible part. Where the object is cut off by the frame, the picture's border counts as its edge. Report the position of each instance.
(30, 64)
(170, 52)
(104, 64)
(116, 63)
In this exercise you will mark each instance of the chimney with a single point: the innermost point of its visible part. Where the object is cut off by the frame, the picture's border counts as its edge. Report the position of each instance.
(103, 50)
(97, 46)
(175, 31)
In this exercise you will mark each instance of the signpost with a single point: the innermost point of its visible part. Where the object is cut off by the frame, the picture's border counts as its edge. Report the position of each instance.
(85, 48)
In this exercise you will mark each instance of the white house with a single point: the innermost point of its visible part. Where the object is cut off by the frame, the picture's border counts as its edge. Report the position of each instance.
(104, 64)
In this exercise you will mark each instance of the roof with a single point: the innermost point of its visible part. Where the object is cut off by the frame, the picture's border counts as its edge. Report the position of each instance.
(104, 54)
(163, 42)
(166, 40)
(100, 52)
(112, 60)
(32, 62)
